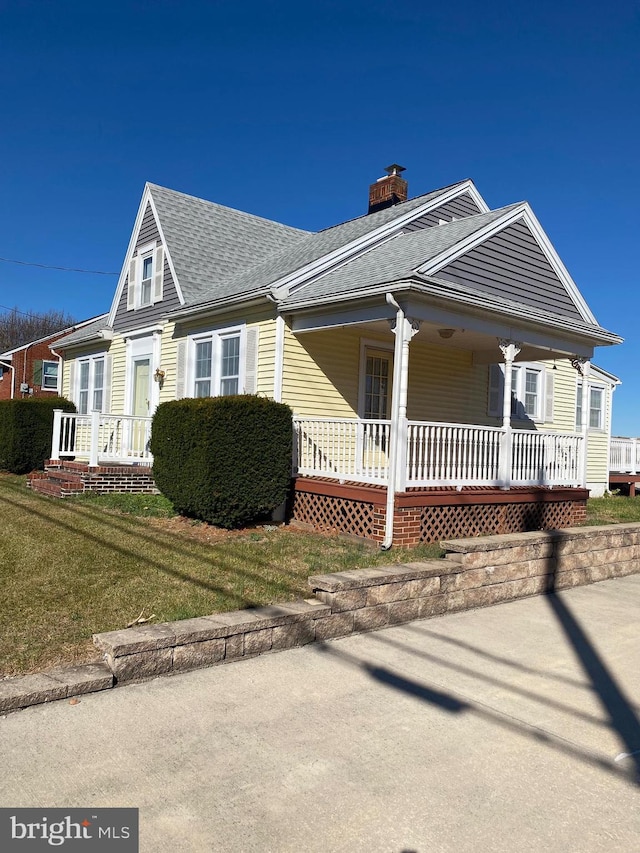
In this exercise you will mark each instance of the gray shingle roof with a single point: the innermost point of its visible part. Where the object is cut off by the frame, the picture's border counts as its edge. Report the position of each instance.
(209, 244)
(394, 259)
(219, 252)
(87, 332)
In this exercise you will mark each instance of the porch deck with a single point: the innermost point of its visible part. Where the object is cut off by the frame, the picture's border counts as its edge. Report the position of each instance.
(624, 463)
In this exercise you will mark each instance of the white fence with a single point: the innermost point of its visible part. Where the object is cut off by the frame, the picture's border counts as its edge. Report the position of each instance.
(437, 454)
(624, 455)
(99, 438)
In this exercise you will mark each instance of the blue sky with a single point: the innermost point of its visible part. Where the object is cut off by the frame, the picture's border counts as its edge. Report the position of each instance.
(289, 110)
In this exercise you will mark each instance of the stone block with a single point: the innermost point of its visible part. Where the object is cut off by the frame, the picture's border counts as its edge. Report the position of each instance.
(350, 599)
(234, 647)
(141, 665)
(358, 578)
(369, 618)
(433, 605)
(518, 553)
(194, 655)
(294, 634)
(388, 592)
(489, 575)
(425, 586)
(196, 630)
(336, 625)
(28, 690)
(256, 642)
(129, 641)
(83, 678)
(403, 611)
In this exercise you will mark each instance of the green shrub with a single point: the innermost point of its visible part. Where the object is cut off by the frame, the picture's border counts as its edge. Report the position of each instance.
(25, 432)
(225, 460)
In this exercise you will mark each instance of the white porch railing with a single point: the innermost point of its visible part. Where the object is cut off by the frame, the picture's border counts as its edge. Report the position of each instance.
(624, 455)
(438, 454)
(98, 438)
(342, 448)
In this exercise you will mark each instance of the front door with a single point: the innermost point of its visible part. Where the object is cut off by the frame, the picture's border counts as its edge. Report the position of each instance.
(141, 387)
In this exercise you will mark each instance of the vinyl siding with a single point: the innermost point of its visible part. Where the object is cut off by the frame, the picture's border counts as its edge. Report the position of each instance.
(126, 321)
(263, 320)
(457, 208)
(511, 265)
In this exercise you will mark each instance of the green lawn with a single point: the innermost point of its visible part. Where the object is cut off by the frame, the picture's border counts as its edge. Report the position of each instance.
(613, 509)
(71, 568)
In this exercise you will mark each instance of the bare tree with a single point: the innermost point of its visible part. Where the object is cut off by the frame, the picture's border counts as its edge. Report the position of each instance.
(19, 327)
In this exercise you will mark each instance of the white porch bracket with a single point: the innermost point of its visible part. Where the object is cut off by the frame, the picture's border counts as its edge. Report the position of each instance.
(582, 366)
(509, 350)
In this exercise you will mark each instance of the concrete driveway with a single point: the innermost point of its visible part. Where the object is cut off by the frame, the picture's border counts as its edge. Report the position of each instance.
(506, 729)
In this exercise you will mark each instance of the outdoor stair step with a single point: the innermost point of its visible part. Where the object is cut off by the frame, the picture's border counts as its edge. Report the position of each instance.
(66, 476)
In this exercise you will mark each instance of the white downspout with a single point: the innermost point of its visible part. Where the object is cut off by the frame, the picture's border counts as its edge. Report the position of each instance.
(13, 377)
(60, 369)
(395, 422)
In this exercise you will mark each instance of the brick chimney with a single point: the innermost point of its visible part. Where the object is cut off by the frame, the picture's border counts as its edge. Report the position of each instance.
(389, 190)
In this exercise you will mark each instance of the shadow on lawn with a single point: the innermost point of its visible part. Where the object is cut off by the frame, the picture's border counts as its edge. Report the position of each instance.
(136, 529)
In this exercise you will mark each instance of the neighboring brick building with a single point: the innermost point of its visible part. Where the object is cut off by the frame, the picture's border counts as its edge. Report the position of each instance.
(33, 369)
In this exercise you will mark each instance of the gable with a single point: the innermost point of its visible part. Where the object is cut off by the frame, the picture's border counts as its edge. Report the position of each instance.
(126, 319)
(457, 208)
(511, 265)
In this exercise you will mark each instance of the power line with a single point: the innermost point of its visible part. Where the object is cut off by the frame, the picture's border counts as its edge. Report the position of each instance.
(62, 269)
(32, 314)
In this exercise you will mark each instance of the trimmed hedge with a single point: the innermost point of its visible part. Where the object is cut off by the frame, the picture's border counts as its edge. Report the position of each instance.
(225, 460)
(26, 426)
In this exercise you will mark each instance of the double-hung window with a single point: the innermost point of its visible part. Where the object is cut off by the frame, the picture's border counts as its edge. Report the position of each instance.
(90, 385)
(217, 364)
(595, 399)
(146, 279)
(49, 376)
(527, 391)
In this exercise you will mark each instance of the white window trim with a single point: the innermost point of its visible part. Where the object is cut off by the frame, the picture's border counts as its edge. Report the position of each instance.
(520, 369)
(216, 337)
(90, 360)
(603, 410)
(140, 343)
(57, 364)
(367, 344)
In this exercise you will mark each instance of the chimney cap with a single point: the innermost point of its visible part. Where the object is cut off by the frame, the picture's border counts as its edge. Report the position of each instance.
(394, 169)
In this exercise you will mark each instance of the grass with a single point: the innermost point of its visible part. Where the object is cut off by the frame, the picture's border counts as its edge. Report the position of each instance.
(71, 568)
(612, 509)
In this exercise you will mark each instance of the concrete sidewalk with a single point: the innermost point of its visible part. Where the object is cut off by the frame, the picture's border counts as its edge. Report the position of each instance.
(500, 729)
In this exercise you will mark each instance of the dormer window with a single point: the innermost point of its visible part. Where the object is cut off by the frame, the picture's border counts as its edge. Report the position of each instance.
(144, 282)
(147, 277)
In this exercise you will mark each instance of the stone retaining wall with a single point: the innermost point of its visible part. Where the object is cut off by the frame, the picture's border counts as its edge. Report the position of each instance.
(475, 573)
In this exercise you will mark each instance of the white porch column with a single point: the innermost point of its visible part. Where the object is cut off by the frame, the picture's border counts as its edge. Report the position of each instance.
(403, 330)
(95, 439)
(55, 437)
(510, 350)
(582, 365)
(411, 328)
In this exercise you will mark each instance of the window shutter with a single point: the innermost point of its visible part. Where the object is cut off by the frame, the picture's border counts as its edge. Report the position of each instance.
(106, 392)
(496, 392)
(548, 397)
(37, 372)
(181, 370)
(251, 361)
(158, 265)
(131, 286)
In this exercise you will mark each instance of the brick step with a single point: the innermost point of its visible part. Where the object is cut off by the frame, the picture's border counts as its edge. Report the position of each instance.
(65, 476)
(55, 488)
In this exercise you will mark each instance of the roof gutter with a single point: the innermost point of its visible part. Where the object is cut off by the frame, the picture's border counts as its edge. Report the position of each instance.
(217, 305)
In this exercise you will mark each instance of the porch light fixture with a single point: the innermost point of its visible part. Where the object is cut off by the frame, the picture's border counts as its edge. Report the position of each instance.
(446, 333)
(159, 375)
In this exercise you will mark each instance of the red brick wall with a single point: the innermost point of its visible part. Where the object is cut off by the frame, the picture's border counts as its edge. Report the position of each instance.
(23, 361)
